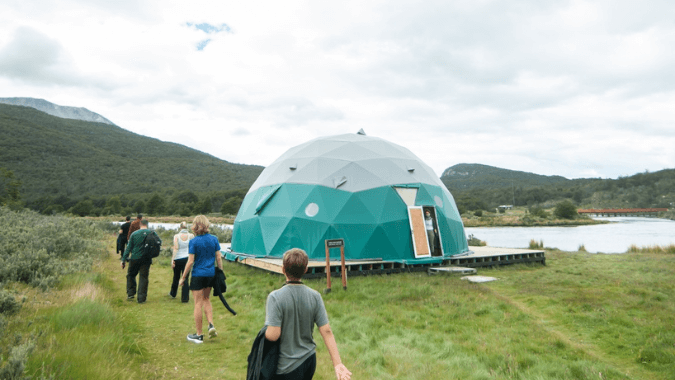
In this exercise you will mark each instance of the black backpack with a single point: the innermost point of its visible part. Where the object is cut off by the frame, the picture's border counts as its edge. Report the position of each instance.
(152, 245)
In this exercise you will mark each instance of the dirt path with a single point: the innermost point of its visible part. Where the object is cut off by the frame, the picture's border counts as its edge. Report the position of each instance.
(162, 323)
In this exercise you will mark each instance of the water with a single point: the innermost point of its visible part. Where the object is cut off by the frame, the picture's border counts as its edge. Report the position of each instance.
(174, 226)
(615, 237)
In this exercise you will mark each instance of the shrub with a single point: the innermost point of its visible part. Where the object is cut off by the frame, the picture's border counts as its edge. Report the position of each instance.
(538, 212)
(41, 249)
(478, 213)
(475, 242)
(8, 303)
(536, 245)
(565, 210)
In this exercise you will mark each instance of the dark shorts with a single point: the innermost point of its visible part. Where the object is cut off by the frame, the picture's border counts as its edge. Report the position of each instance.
(199, 283)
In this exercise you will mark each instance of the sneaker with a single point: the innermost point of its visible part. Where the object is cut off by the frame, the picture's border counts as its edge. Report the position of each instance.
(130, 298)
(171, 296)
(194, 338)
(212, 331)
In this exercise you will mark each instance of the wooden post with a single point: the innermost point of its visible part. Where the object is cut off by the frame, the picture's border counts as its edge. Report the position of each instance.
(344, 271)
(327, 269)
(335, 243)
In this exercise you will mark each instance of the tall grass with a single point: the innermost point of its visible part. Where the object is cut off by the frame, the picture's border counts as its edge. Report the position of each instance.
(536, 244)
(652, 249)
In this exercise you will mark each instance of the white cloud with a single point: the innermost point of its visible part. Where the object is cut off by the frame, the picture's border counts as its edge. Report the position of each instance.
(579, 88)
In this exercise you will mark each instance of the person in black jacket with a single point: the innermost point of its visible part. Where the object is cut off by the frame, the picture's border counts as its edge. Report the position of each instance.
(122, 237)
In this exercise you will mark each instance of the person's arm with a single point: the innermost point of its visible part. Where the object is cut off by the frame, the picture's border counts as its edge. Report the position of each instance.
(125, 255)
(175, 250)
(341, 372)
(273, 333)
(188, 267)
(219, 260)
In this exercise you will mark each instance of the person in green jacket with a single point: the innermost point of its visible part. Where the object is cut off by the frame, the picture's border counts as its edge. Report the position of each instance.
(137, 265)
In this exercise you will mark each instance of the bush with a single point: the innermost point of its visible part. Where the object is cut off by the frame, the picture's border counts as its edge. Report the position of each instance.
(536, 244)
(8, 303)
(478, 213)
(18, 356)
(566, 210)
(40, 249)
(538, 212)
(475, 242)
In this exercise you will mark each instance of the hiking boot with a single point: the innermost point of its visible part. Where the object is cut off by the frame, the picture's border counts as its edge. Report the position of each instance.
(212, 331)
(194, 338)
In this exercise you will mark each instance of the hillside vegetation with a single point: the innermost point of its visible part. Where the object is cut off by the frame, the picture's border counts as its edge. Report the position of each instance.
(87, 168)
(481, 187)
(64, 161)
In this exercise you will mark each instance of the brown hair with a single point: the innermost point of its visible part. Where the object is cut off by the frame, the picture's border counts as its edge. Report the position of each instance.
(183, 225)
(295, 263)
(200, 225)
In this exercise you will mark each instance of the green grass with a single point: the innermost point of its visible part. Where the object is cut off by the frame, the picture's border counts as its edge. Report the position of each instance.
(582, 316)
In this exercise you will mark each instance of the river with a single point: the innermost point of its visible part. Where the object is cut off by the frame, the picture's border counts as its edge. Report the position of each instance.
(615, 237)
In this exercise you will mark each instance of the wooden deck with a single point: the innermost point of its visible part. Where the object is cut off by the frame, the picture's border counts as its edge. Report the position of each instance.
(481, 257)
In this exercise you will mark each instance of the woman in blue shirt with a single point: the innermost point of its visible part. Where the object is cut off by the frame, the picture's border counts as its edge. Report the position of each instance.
(203, 252)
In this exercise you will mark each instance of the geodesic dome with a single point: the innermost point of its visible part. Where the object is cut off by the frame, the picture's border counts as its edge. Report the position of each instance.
(352, 187)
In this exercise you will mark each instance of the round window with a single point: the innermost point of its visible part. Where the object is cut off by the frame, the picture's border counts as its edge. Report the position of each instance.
(312, 209)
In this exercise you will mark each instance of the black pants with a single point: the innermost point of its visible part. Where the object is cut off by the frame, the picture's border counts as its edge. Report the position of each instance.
(304, 372)
(177, 272)
(142, 269)
(121, 243)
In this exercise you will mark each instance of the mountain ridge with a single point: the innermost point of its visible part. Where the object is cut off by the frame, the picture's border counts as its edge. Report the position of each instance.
(65, 112)
(55, 157)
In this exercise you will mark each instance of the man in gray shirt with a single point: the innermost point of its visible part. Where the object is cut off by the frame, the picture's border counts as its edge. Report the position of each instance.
(292, 312)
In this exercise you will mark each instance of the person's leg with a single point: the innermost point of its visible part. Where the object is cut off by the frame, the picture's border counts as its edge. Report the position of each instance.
(177, 272)
(131, 278)
(206, 304)
(143, 280)
(198, 296)
(185, 291)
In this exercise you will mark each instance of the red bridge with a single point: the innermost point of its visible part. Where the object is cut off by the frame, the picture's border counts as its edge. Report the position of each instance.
(622, 211)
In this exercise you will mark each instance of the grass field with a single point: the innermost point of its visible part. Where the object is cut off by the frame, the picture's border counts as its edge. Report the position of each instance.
(582, 316)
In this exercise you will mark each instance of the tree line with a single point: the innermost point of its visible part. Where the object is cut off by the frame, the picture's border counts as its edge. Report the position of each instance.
(643, 190)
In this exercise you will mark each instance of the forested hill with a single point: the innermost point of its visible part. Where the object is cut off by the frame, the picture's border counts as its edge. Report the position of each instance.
(477, 176)
(482, 187)
(55, 157)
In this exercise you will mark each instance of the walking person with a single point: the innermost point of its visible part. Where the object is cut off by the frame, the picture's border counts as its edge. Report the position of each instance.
(138, 265)
(204, 250)
(123, 234)
(291, 313)
(135, 226)
(181, 245)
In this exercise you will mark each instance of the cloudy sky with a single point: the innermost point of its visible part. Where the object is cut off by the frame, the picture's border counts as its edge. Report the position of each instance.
(573, 88)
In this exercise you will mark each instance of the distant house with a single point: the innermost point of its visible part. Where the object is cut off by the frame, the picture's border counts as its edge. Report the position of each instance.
(505, 207)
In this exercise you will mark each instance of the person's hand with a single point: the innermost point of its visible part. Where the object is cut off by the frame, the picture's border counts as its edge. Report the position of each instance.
(123, 264)
(181, 282)
(342, 373)
(173, 263)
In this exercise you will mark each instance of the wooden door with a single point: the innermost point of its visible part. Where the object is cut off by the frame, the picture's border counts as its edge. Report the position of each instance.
(419, 232)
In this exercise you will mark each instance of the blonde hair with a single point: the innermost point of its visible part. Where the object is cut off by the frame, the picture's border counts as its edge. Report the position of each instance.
(201, 225)
(183, 225)
(295, 263)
